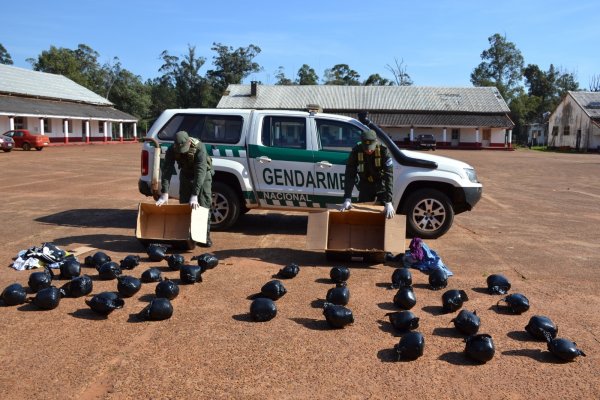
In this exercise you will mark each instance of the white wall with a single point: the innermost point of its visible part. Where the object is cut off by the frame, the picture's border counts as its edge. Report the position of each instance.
(569, 113)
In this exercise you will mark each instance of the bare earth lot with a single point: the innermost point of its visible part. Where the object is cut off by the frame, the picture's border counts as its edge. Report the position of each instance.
(538, 223)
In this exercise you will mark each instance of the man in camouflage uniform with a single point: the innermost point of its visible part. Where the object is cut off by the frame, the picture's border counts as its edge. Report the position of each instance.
(372, 163)
(195, 176)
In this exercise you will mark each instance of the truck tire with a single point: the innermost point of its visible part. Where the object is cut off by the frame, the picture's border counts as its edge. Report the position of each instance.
(429, 214)
(26, 146)
(225, 207)
(39, 148)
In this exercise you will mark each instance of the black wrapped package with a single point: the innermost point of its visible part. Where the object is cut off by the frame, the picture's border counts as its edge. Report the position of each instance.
(405, 298)
(14, 294)
(190, 274)
(497, 284)
(47, 298)
(130, 262)
(467, 322)
(564, 349)
(263, 309)
(289, 271)
(156, 252)
(480, 347)
(104, 303)
(411, 346)
(273, 290)
(167, 289)
(438, 279)
(128, 285)
(151, 275)
(516, 303)
(453, 299)
(339, 295)
(539, 325)
(77, 287)
(109, 270)
(337, 316)
(40, 280)
(207, 261)
(175, 261)
(339, 274)
(159, 309)
(70, 268)
(403, 320)
(401, 277)
(97, 259)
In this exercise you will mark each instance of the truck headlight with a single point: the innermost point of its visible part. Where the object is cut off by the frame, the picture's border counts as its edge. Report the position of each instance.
(471, 174)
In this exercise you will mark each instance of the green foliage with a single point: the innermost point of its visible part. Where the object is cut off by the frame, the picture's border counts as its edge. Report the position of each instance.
(501, 67)
(377, 80)
(548, 86)
(307, 76)
(341, 74)
(183, 77)
(281, 78)
(5, 56)
(231, 67)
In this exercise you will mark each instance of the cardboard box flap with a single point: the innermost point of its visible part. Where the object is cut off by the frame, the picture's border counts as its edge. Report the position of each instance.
(171, 223)
(199, 222)
(317, 230)
(395, 234)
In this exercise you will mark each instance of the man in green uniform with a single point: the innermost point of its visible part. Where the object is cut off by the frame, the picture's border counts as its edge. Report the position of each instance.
(372, 163)
(195, 175)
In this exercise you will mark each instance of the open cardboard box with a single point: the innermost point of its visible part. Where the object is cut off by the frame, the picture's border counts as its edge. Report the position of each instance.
(177, 225)
(362, 232)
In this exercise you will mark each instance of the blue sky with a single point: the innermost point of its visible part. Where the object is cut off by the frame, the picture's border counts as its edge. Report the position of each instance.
(440, 42)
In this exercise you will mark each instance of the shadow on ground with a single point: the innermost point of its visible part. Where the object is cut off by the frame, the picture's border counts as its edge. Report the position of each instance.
(104, 242)
(93, 218)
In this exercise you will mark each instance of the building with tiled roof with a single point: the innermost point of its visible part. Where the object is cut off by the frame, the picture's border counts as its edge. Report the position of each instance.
(55, 106)
(575, 123)
(470, 117)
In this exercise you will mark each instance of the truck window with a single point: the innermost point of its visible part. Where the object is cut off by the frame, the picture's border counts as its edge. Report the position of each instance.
(337, 135)
(208, 128)
(285, 132)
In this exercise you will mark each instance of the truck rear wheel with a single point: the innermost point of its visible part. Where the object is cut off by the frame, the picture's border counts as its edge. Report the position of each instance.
(429, 214)
(225, 208)
(26, 146)
(39, 148)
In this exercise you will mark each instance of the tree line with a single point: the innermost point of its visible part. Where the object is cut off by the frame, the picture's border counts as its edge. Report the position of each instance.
(530, 91)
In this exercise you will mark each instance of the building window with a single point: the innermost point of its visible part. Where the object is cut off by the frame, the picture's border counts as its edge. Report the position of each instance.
(47, 125)
(566, 130)
(20, 123)
(554, 130)
(101, 127)
(455, 134)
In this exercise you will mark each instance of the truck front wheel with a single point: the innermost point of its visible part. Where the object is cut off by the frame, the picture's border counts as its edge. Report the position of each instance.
(225, 207)
(429, 214)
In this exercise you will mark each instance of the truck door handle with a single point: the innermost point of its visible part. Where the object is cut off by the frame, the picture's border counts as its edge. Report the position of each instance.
(324, 164)
(263, 159)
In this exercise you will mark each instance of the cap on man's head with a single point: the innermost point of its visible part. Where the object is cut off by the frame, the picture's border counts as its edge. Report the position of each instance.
(369, 140)
(182, 142)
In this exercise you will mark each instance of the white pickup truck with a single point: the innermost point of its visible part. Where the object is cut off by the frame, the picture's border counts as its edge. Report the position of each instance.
(295, 160)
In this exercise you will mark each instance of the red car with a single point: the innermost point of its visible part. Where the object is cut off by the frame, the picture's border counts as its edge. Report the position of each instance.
(25, 140)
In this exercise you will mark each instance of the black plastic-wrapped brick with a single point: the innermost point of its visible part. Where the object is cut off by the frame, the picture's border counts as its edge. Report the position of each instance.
(77, 287)
(104, 303)
(403, 320)
(273, 290)
(337, 316)
(159, 309)
(128, 285)
(263, 309)
(411, 346)
(13, 295)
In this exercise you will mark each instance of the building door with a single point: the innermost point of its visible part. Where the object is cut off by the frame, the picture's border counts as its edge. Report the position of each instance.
(578, 140)
(455, 137)
(486, 138)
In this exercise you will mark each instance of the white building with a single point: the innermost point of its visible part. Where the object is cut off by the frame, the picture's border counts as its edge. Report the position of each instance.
(53, 105)
(468, 118)
(575, 124)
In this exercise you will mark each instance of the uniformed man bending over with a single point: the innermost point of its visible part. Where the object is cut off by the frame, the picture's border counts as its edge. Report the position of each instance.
(195, 177)
(373, 164)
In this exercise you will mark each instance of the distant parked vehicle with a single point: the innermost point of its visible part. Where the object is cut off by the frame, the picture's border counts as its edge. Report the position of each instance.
(425, 141)
(26, 140)
(6, 143)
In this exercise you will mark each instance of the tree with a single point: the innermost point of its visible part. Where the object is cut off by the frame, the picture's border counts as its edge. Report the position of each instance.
(377, 80)
(183, 75)
(281, 78)
(595, 83)
(399, 71)
(548, 87)
(501, 67)
(129, 94)
(231, 67)
(307, 76)
(5, 56)
(341, 74)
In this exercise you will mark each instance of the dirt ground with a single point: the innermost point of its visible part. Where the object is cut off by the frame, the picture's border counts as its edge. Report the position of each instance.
(538, 223)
